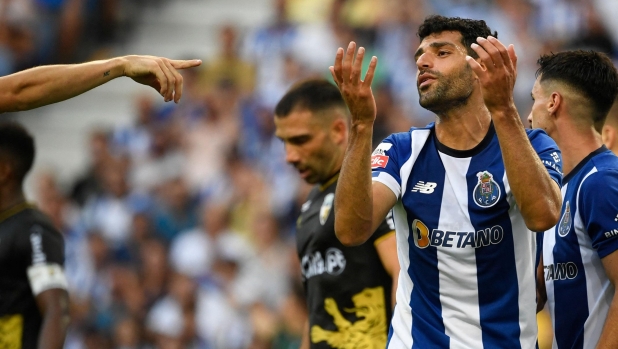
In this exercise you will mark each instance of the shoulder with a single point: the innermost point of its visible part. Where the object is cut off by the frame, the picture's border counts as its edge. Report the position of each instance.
(604, 175)
(541, 138)
(33, 220)
(403, 140)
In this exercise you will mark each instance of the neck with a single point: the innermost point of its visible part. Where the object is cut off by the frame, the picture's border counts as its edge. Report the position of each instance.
(10, 196)
(575, 145)
(464, 127)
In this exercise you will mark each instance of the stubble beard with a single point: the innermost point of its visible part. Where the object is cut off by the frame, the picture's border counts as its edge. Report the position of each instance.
(448, 93)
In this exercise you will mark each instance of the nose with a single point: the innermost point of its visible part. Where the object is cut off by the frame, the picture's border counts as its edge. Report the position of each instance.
(424, 62)
(530, 119)
(291, 155)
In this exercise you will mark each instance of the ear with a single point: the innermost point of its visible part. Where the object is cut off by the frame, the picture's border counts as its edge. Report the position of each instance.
(339, 130)
(608, 135)
(554, 102)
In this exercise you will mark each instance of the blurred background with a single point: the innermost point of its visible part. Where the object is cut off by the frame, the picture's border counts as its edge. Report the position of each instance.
(179, 219)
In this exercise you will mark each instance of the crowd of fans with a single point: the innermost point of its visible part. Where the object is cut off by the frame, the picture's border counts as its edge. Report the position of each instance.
(180, 234)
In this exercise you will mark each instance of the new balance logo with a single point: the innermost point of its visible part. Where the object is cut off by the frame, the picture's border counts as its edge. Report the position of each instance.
(425, 188)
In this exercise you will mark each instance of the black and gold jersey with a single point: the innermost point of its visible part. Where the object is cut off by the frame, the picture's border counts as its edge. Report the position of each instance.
(28, 242)
(348, 290)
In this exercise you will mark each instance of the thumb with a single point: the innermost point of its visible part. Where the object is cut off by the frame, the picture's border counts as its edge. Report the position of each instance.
(181, 64)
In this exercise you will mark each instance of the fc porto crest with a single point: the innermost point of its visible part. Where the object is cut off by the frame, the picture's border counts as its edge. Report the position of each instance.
(487, 191)
(327, 205)
(564, 227)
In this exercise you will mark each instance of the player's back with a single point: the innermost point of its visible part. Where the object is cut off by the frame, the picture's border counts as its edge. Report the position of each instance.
(27, 238)
(467, 258)
(573, 249)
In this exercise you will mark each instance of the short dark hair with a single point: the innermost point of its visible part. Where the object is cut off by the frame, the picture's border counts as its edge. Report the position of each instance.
(470, 29)
(18, 145)
(314, 95)
(590, 73)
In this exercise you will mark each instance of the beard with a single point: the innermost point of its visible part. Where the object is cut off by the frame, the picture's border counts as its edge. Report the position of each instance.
(448, 92)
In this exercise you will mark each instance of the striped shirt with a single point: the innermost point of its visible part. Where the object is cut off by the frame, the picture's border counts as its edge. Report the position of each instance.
(578, 291)
(467, 275)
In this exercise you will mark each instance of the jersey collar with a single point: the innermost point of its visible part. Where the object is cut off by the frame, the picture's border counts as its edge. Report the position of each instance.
(466, 153)
(329, 182)
(15, 209)
(581, 164)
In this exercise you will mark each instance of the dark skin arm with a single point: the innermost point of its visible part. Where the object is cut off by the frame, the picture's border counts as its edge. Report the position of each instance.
(541, 292)
(54, 307)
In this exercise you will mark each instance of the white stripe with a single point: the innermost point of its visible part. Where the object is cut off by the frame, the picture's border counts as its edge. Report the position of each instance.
(549, 242)
(524, 244)
(402, 318)
(389, 181)
(597, 283)
(457, 266)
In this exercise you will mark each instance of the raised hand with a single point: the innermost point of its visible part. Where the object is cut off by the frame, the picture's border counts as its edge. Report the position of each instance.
(160, 73)
(497, 73)
(356, 92)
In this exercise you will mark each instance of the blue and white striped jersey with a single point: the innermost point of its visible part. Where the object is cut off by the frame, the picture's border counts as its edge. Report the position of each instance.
(578, 290)
(467, 275)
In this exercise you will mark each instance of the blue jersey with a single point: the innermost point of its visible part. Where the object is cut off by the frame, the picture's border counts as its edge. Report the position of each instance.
(467, 275)
(578, 290)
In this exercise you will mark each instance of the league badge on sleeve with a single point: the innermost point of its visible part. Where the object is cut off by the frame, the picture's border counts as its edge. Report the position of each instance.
(379, 157)
(487, 191)
(565, 222)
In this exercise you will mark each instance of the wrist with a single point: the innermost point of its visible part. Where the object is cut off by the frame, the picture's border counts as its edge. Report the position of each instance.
(119, 66)
(507, 111)
(362, 126)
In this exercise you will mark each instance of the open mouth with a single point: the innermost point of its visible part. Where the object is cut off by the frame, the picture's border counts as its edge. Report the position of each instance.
(425, 80)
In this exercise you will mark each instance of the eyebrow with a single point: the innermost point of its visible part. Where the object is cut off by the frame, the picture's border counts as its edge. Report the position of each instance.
(437, 44)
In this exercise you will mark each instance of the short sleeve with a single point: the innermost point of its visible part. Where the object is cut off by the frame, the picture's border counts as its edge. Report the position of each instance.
(548, 151)
(598, 207)
(41, 249)
(385, 164)
(385, 229)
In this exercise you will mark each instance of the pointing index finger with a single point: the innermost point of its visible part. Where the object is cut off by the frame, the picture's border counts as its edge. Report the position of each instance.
(184, 64)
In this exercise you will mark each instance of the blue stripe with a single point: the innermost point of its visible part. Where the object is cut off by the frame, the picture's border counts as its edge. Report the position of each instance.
(427, 325)
(496, 268)
(390, 327)
(571, 300)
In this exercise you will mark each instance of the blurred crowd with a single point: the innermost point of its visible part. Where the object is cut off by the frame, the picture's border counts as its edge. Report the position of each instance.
(180, 234)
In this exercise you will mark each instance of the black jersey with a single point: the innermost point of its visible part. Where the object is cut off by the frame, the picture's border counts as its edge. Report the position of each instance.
(347, 288)
(27, 239)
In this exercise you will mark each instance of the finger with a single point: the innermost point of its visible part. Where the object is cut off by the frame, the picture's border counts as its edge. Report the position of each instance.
(332, 72)
(503, 52)
(184, 64)
(357, 66)
(370, 71)
(170, 81)
(338, 67)
(512, 55)
(477, 68)
(493, 52)
(488, 63)
(178, 80)
(347, 61)
(161, 78)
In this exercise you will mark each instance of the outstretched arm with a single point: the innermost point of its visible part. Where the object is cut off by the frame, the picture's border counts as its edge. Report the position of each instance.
(540, 207)
(359, 206)
(45, 85)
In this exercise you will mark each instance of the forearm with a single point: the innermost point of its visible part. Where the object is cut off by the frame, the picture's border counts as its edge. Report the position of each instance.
(53, 329)
(304, 342)
(535, 192)
(44, 85)
(609, 336)
(354, 198)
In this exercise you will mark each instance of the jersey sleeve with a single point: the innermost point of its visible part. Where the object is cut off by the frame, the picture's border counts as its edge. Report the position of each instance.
(598, 206)
(548, 151)
(42, 251)
(385, 164)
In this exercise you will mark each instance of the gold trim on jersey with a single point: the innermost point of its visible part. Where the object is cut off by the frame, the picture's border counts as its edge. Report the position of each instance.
(11, 328)
(15, 209)
(382, 238)
(368, 332)
(329, 182)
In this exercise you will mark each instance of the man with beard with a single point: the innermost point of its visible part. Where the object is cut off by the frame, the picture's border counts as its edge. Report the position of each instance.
(572, 94)
(348, 289)
(466, 192)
